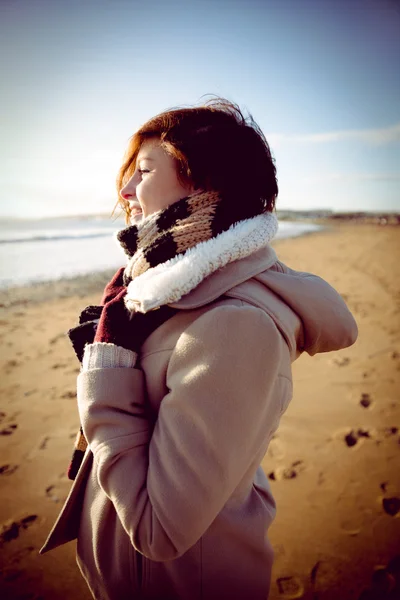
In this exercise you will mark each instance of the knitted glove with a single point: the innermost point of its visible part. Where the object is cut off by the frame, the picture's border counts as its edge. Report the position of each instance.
(85, 332)
(111, 343)
(117, 326)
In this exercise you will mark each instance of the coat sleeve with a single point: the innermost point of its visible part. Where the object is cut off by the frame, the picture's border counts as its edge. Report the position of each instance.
(168, 483)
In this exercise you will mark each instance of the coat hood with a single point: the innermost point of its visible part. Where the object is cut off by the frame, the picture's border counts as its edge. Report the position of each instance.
(308, 311)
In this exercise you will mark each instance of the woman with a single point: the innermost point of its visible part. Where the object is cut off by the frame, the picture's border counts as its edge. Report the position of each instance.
(189, 371)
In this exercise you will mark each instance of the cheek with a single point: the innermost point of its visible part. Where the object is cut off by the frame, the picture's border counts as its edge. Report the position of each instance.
(160, 190)
(174, 190)
(143, 189)
(151, 193)
(154, 189)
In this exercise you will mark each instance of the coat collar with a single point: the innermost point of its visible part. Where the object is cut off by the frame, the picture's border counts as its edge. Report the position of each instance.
(202, 272)
(225, 279)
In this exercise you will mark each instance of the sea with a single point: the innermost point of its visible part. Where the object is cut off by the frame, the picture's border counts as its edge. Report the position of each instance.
(41, 250)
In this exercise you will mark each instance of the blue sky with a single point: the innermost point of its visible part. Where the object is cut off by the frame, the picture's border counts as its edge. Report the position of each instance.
(321, 77)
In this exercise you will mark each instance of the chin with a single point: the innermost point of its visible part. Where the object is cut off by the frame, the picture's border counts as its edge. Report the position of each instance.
(136, 219)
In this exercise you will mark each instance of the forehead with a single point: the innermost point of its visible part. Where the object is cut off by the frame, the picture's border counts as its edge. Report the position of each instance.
(150, 149)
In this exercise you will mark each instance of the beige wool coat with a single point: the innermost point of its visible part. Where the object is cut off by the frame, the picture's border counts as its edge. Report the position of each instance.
(170, 501)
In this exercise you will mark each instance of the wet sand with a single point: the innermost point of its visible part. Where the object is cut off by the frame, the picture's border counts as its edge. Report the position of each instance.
(334, 464)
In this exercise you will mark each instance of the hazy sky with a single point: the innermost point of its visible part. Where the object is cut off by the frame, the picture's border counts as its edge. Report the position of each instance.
(78, 77)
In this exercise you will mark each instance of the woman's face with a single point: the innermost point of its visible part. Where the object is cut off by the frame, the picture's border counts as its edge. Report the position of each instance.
(154, 185)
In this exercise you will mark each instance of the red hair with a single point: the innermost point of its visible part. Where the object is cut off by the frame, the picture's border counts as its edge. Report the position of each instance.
(215, 148)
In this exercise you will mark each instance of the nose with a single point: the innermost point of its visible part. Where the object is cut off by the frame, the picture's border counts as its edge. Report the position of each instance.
(129, 190)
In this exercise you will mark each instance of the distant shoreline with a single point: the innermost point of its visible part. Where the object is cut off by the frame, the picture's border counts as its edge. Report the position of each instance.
(340, 217)
(372, 217)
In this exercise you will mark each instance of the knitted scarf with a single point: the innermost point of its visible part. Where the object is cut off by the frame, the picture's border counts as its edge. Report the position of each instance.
(170, 232)
(158, 242)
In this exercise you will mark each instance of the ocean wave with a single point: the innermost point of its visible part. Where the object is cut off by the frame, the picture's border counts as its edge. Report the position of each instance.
(51, 237)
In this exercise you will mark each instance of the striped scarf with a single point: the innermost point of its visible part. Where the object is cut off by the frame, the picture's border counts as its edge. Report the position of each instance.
(170, 232)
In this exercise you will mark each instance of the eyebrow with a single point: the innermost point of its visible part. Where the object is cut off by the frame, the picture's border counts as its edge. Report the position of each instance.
(145, 158)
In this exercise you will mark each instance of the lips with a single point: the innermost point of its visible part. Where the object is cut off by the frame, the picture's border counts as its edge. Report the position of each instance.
(136, 213)
(135, 208)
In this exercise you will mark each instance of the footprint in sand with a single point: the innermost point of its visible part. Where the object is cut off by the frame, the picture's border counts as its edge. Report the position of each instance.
(58, 491)
(352, 437)
(276, 448)
(51, 493)
(68, 394)
(368, 374)
(290, 587)
(21, 554)
(365, 400)
(11, 529)
(56, 338)
(341, 361)
(8, 469)
(385, 582)
(389, 431)
(44, 442)
(10, 364)
(11, 572)
(42, 445)
(287, 473)
(391, 506)
(9, 429)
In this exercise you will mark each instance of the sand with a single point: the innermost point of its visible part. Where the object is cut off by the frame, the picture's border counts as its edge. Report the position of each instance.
(334, 464)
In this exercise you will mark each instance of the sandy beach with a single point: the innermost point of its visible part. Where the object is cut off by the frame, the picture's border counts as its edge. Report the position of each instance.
(334, 464)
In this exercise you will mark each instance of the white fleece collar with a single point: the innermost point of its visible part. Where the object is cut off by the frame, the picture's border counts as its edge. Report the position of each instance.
(169, 281)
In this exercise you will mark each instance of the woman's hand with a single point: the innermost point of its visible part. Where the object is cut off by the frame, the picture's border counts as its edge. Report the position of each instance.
(117, 325)
(129, 330)
(84, 333)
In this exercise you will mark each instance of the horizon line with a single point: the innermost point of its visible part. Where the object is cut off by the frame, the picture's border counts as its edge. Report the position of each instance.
(332, 211)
